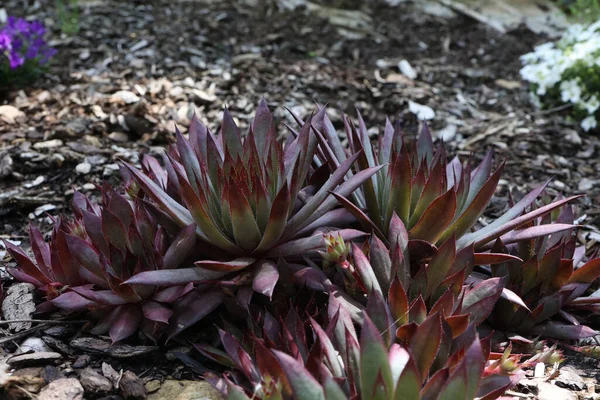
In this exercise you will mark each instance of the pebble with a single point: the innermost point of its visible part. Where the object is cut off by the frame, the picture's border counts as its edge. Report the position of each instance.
(120, 137)
(93, 382)
(83, 168)
(42, 209)
(37, 358)
(88, 187)
(33, 344)
(62, 389)
(10, 114)
(558, 184)
(125, 96)
(585, 184)
(48, 144)
(407, 70)
(110, 170)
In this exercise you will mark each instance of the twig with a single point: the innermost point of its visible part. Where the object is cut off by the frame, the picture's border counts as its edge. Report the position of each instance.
(45, 321)
(23, 334)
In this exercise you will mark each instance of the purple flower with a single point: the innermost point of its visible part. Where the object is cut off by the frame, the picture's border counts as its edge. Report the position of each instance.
(5, 42)
(22, 40)
(15, 59)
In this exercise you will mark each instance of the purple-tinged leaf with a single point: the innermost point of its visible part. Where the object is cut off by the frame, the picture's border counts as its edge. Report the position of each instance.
(501, 226)
(304, 385)
(299, 219)
(560, 331)
(362, 265)
(71, 301)
(181, 247)
(127, 320)
(425, 344)
(156, 312)
(315, 242)
(173, 277)
(265, 278)
(587, 273)
(493, 258)
(86, 255)
(187, 313)
(480, 300)
(435, 218)
(534, 232)
(277, 220)
(104, 297)
(170, 294)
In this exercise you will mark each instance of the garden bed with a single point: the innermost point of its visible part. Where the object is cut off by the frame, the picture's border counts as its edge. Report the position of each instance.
(134, 69)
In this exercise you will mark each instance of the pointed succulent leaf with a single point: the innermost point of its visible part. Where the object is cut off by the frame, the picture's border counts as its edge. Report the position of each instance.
(265, 278)
(304, 385)
(373, 360)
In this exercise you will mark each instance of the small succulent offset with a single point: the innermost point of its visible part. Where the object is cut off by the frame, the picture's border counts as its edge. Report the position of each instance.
(23, 50)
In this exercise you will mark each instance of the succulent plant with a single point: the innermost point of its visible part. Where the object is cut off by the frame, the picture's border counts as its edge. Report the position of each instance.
(87, 261)
(549, 274)
(299, 359)
(435, 199)
(253, 199)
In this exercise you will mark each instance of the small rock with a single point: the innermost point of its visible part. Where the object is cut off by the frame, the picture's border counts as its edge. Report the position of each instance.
(93, 382)
(153, 385)
(558, 184)
(10, 114)
(585, 184)
(88, 187)
(33, 344)
(407, 70)
(39, 358)
(44, 208)
(186, 390)
(423, 113)
(132, 387)
(110, 169)
(57, 159)
(120, 137)
(573, 137)
(6, 166)
(548, 391)
(506, 84)
(62, 389)
(569, 380)
(176, 91)
(19, 304)
(92, 141)
(109, 372)
(48, 144)
(83, 168)
(448, 133)
(82, 361)
(125, 96)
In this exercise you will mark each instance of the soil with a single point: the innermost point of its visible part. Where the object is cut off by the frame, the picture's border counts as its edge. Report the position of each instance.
(117, 87)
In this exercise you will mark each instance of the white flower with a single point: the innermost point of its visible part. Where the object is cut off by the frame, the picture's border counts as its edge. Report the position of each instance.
(570, 91)
(592, 104)
(589, 123)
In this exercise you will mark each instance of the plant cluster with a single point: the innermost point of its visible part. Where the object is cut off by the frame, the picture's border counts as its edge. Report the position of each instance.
(23, 51)
(358, 271)
(568, 72)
